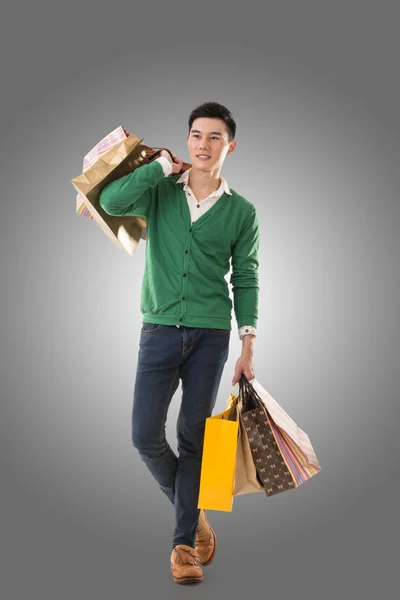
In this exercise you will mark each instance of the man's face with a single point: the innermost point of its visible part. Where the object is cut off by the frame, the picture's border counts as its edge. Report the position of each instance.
(210, 137)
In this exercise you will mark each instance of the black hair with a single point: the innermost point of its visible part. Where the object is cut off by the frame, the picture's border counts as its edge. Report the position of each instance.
(214, 110)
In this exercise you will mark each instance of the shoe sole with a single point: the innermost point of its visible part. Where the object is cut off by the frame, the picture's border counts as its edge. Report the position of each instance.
(192, 579)
(215, 545)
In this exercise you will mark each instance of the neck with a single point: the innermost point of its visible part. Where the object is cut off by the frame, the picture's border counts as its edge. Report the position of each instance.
(206, 181)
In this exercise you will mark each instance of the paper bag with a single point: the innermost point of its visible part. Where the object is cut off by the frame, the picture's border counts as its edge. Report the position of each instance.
(219, 459)
(247, 480)
(115, 156)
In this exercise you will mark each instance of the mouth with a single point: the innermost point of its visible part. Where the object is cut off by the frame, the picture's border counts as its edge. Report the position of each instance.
(203, 156)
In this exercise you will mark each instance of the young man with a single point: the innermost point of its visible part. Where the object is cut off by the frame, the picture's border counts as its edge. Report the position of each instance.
(195, 225)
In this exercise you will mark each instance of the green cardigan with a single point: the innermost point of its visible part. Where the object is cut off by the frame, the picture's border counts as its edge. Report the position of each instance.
(184, 278)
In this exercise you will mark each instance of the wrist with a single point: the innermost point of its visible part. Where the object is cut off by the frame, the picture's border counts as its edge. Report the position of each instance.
(248, 343)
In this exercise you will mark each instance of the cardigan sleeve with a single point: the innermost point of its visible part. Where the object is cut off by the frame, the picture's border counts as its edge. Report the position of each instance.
(133, 194)
(244, 276)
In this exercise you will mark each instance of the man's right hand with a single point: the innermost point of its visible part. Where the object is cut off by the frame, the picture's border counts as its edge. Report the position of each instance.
(176, 163)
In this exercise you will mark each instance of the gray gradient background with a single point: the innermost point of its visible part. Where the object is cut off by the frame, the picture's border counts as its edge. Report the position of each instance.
(314, 88)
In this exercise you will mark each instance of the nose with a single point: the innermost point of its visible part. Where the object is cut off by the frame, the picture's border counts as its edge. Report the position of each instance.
(202, 143)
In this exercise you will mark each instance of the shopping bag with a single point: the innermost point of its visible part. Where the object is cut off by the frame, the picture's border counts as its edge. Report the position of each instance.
(293, 441)
(102, 147)
(219, 459)
(280, 460)
(247, 480)
(116, 155)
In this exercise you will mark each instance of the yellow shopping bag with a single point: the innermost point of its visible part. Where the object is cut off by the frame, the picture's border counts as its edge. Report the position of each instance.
(219, 459)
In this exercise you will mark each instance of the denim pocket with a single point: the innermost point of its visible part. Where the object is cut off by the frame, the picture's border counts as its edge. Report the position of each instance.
(150, 327)
(219, 330)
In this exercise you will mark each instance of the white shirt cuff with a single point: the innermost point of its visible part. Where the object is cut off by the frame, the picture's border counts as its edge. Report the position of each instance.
(245, 329)
(166, 165)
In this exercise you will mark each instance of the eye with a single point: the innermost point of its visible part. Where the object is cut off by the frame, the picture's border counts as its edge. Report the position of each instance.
(213, 137)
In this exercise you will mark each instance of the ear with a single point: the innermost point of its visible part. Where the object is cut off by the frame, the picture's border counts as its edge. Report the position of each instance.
(232, 147)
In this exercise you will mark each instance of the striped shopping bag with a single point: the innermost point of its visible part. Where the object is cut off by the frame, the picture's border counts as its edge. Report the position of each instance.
(282, 452)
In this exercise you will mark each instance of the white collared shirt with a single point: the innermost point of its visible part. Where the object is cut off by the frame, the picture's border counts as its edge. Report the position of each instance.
(199, 208)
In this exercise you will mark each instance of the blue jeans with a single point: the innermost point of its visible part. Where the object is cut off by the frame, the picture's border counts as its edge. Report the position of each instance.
(197, 356)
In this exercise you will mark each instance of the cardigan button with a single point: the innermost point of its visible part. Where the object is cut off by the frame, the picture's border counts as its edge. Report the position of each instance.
(181, 319)
(190, 230)
(186, 251)
(183, 298)
(184, 274)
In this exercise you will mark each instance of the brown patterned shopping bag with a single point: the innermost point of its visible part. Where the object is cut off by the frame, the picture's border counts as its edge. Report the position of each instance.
(282, 462)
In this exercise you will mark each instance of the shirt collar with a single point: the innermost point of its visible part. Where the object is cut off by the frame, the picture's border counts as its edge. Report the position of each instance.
(222, 188)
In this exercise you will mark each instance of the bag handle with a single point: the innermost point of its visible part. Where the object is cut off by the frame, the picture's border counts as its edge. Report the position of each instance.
(244, 393)
(158, 151)
(150, 155)
(249, 396)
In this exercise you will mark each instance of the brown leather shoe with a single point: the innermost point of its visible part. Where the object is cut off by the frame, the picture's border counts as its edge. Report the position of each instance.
(184, 566)
(206, 540)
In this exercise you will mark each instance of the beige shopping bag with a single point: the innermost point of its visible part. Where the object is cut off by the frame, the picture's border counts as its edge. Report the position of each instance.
(120, 160)
(247, 480)
(124, 153)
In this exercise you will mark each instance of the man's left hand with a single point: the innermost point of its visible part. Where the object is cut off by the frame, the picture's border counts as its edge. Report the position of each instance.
(244, 365)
